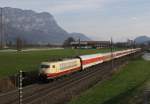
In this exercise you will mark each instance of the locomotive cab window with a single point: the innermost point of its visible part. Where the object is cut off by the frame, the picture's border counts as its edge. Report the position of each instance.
(44, 66)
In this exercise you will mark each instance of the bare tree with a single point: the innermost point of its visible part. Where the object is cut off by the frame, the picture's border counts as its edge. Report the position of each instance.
(18, 43)
(67, 42)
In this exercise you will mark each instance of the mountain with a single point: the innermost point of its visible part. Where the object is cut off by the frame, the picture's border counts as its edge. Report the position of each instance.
(142, 39)
(82, 37)
(32, 27)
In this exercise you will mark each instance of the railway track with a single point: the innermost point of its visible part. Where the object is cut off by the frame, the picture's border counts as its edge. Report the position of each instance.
(42, 88)
(59, 90)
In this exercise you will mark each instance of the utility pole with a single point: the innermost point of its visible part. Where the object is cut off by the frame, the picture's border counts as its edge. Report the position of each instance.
(4, 43)
(20, 87)
(79, 47)
(112, 59)
(79, 42)
(1, 28)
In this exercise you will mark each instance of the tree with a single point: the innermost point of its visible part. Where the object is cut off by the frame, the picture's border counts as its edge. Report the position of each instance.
(67, 42)
(9, 43)
(18, 43)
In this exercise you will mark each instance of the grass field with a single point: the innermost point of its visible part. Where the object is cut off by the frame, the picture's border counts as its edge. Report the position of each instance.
(12, 62)
(122, 84)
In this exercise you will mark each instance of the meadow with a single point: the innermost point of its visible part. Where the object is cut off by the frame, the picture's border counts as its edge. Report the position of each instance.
(119, 87)
(12, 62)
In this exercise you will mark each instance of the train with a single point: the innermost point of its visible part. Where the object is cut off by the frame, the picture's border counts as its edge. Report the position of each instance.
(52, 70)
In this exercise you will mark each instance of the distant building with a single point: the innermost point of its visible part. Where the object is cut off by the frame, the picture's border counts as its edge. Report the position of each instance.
(90, 44)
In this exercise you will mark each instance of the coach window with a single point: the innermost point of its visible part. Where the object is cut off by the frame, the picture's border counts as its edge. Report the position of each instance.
(53, 66)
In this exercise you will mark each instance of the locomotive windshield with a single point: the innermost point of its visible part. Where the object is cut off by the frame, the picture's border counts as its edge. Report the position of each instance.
(44, 66)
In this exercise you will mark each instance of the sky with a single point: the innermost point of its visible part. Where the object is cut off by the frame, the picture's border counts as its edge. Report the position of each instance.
(98, 19)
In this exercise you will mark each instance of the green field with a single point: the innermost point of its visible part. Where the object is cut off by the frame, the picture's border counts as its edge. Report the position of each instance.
(120, 86)
(12, 62)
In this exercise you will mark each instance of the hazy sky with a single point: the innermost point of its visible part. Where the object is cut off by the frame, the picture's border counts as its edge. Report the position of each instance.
(98, 19)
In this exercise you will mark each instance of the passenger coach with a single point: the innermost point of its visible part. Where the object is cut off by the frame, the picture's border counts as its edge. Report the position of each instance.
(50, 70)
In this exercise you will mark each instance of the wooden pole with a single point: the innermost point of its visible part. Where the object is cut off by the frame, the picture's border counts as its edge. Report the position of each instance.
(1, 28)
(112, 59)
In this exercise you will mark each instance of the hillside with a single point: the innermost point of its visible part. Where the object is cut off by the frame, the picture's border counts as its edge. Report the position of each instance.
(142, 39)
(76, 36)
(32, 27)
